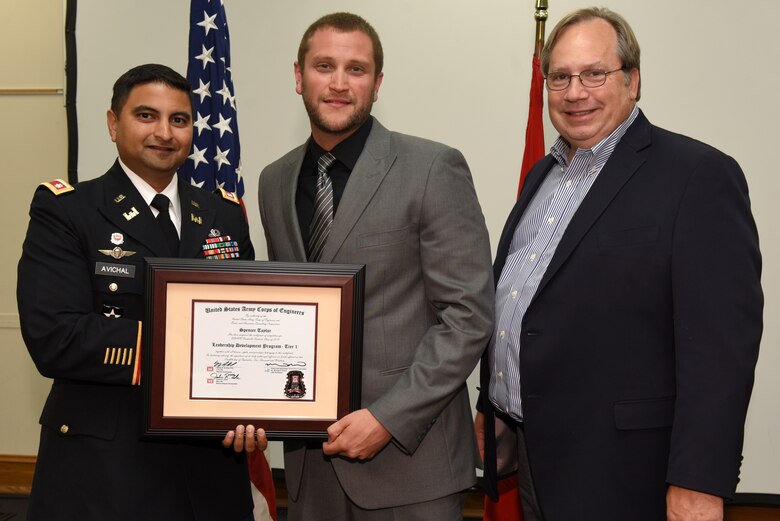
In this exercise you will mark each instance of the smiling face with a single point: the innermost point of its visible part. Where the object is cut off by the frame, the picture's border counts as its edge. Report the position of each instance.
(338, 83)
(153, 132)
(584, 116)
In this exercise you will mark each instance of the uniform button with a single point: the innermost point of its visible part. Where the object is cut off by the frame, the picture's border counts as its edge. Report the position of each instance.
(551, 220)
(113, 286)
(514, 294)
(568, 184)
(500, 375)
(533, 256)
(502, 333)
(64, 429)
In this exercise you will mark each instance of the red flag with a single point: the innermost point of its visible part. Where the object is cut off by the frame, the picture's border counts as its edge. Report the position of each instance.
(534, 130)
(508, 506)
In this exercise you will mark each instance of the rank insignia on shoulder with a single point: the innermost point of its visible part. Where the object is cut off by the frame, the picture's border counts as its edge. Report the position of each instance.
(58, 187)
(230, 196)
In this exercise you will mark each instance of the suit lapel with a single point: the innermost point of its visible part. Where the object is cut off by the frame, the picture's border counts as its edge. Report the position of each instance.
(372, 166)
(621, 166)
(197, 219)
(288, 186)
(127, 210)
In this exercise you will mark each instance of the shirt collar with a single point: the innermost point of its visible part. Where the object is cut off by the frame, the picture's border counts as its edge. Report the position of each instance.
(601, 150)
(349, 150)
(147, 192)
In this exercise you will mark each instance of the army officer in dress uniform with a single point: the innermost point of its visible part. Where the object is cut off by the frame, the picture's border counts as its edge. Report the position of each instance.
(80, 295)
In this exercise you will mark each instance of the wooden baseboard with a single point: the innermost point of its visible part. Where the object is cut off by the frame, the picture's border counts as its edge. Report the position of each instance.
(16, 474)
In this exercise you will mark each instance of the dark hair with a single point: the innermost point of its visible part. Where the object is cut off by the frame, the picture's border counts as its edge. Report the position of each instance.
(343, 23)
(627, 44)
(143, 74)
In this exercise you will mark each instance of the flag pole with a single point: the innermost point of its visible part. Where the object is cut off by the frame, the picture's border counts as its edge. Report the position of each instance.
(534, 131)
(541, 17)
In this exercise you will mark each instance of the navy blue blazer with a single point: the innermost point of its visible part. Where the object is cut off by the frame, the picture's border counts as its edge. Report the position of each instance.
(639, 346)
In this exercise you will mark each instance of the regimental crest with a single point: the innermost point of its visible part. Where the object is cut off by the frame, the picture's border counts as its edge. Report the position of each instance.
(131, 214)
(295, 388)
(117, 238)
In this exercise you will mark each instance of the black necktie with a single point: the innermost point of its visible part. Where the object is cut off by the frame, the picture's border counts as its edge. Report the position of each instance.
(161, 203)
(322, 220)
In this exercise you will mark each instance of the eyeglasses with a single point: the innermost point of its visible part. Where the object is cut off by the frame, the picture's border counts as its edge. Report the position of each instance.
(590, 78)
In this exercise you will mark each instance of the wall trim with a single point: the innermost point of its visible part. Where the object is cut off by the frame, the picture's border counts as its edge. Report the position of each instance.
(9, 321)
(16, 473)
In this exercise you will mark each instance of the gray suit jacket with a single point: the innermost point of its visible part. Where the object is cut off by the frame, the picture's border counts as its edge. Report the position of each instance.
(410, 214)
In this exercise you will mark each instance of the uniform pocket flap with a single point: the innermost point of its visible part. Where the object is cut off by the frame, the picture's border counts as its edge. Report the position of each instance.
(81, 410)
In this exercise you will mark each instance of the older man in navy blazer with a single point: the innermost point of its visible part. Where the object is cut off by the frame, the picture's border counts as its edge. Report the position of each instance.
(628, 303)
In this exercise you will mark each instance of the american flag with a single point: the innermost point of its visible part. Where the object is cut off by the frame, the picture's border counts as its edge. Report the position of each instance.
(215, 161)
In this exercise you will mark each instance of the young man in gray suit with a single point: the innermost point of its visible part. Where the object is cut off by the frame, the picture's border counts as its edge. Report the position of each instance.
(406, 208)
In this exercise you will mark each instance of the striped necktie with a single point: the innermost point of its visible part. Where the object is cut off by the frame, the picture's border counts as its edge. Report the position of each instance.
(322, 219)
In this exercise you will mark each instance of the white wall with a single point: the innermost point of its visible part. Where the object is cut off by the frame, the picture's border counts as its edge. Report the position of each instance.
(458, 71)
(33, 148)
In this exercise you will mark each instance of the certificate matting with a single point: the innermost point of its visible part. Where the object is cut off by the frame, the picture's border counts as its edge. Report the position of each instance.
(261, 307)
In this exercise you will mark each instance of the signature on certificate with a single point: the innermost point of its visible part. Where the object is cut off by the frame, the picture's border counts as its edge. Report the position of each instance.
(286, 364)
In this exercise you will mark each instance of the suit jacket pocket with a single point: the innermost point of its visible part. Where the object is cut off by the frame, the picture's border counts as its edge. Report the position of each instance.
(652, 413)
(393, 371)
(628, 238)
(81, 409)
(385, 238)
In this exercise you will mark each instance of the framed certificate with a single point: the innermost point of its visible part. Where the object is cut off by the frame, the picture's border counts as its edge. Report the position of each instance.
(277, 345)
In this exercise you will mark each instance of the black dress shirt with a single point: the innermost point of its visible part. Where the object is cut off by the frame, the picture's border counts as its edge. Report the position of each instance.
(347, 153)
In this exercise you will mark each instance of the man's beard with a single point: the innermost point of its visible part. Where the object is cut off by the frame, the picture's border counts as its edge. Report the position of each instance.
(358, 117)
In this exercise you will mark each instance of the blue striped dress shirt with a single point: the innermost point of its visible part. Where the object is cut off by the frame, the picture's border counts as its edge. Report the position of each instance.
(533, 245)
